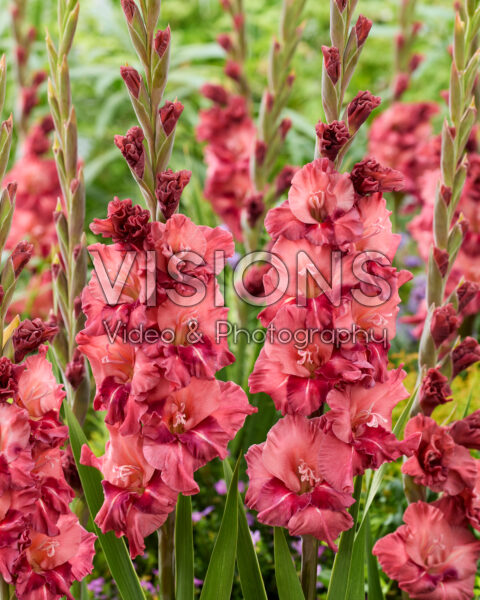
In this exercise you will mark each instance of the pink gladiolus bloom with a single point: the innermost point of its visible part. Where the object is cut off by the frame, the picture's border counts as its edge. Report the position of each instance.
(289, 482)
(430, 558)
(137, 502)
(182, 433)
(49, 565)
(360, 421)
(320, 207)
(38, 390)
(439, 462)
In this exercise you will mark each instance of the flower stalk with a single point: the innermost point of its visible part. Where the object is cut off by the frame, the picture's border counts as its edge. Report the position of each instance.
(447, 227)
(157, 123)
(70, 265)
(309, 566)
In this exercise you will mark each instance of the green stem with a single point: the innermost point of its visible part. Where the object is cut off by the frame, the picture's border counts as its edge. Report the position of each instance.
(309, 566)
(4, 590)
(166, 558)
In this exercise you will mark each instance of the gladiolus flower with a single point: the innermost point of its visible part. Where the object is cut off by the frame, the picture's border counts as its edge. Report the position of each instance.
(360, 108)
(331, 59)
(331, 138)
(289, 482)
(29, 335)
(169, 188)
(429, 557)
(125, 223)
(369, 177)
(131, 146)
(434, 391)
(439, 463)
(169, 114)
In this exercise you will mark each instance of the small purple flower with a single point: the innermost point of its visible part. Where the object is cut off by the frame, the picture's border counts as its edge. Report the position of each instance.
(221, 487)
(250, 519)
(256, 537)
(297, 546)
(198, 515)
(96, 585)
(198, 582)
(412, 262)
(147, 585)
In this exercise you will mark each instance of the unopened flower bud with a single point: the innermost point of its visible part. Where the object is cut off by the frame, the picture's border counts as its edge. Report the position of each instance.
(415, 62)
(441, 258)
(434, 391)
(369, 177)
(215, 93)
(466, 293)
(29, 335)
(445, 322)
(162, 41)
(331, 59)
(464, 355)
(169, 115)
(260, 152)
(254, 208)
(168, 191)
(129, 8)
(131, 146)
(233, 70)
(331, 138)
(284, 179)
(362, 29)
(400, 85)
(21, 254)
(285, 126)
(225, 41)
(132, 80)
(75, 370)
(360, 108)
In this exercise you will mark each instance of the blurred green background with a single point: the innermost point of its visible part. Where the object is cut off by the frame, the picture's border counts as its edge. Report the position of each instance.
(102, 45)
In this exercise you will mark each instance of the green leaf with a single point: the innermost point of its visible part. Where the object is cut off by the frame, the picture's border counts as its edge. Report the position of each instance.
(247, 562)
(184, 549)
(219, 578)
(115, 550)
(341, 572)
(356, 573)
(288, 583)
(374, 587)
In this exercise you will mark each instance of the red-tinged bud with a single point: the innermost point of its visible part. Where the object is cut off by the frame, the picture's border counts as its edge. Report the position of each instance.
(75, 370)
(162, 41)
(331, 59)
(47, 125)
(131, 146)
(466, 293)
(399, 41)
(21, 254)
(225, 41)
(290, 79)
(434, 391)
(369, 177)
(9, 374)
(269, 101)
(465, 354)
(38, 78)
(74, 185)
(77, 306)
(29, 335)
(233, 70)
(445, 95)
(260, 152)
(285, 126)
(21, 55)
(12, 190)
(132, 80)
(129, 8)
(169, 115)
(417, 26)
(29, 99)
(215, 93)
(360, 109)
(446, 194)
(284, 179)
(466, 432)
(15, 12)
(2, 294)
(341, 4)
(254, 208)
(415, 62)
(362, 29)
(32, 34)
(331, 138)
(125, 223)
(441, 258)
(170, 186)
(77, 251)
(56, 267)
(400, 86)
(445, 322)
(238, 21)
(226, 4)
